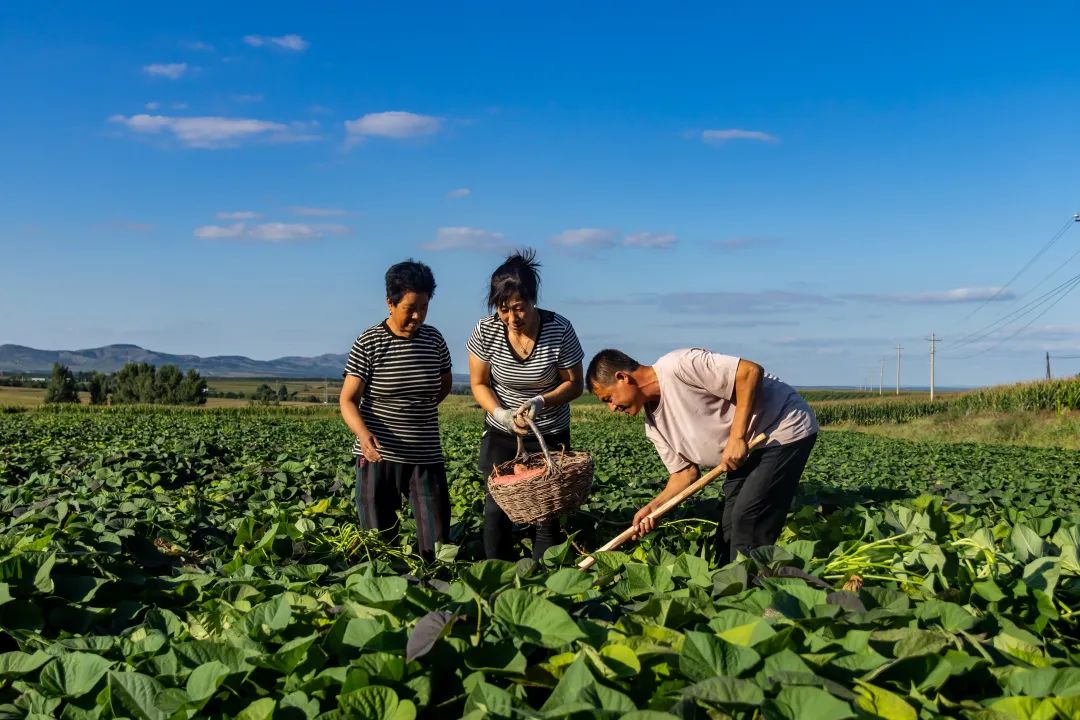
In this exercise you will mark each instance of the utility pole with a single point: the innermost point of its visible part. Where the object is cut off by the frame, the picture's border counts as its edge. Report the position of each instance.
(881, 379)
(326, 391)
(898, 349)
(933, 348)
(1048, 365)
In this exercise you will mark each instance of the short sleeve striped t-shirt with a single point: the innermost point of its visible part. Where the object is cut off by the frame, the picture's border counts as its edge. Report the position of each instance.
(401, 383)
(514, 380)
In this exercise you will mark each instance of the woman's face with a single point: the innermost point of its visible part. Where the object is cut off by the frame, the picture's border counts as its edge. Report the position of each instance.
(410, 312)
(516, 312)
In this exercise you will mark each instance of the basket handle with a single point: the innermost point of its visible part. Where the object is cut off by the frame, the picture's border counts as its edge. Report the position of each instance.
(539, 438)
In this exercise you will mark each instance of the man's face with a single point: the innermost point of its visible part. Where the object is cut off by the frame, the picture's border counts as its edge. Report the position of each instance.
(622, 395)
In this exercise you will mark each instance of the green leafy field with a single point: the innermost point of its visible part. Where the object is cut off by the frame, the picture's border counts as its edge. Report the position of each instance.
(161, 564)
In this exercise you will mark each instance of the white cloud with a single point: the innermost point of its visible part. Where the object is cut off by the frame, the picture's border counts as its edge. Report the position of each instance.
(285, 42)
(585, 238)
(239, 215)
(198, 46)
(213, 131)
(467, 238)
(317, 211)
(722, 136)
(273, 232)
(173, 71)
(945, 297)
(650, 240)
(152, 106)
(459, 193)
(216, 232)
(395, 124)
(248, 98)
(746, 243)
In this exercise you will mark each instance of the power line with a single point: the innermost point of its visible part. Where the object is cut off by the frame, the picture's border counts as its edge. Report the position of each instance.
(1075, 281)
(1049, 243)
(1021, 311)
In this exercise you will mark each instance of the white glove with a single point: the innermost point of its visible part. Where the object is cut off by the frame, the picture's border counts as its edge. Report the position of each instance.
(531, 407)
(504, 417)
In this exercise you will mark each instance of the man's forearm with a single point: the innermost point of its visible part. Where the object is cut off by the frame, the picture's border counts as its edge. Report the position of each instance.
(677, 482)
(747, 382)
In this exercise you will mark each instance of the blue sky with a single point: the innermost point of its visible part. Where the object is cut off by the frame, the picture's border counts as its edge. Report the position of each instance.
(802, 185)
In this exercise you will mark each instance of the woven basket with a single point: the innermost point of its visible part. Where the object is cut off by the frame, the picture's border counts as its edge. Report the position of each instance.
(561, 486)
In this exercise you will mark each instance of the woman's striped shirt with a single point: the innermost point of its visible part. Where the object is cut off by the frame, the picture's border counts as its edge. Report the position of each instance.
(514, 380)
(401, 383)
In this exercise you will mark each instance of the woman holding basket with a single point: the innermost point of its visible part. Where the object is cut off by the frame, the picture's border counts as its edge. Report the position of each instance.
(523, 362)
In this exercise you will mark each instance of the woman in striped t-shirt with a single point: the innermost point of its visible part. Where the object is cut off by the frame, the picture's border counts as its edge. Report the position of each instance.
(397, 373)
(522, 360)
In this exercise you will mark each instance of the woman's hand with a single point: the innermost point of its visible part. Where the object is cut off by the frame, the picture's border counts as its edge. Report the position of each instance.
(369, 446)
(508, 419)
(531, 407)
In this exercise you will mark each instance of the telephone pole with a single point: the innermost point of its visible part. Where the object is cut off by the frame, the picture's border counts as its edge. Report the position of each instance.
(881, 379)
(898, 349)
(1048, 365)
(934, 340)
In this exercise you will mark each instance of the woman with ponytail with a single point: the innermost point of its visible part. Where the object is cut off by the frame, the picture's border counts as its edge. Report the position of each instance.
(523, 361)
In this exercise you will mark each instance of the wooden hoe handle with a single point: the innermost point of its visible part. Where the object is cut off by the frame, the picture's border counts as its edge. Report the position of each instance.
(666, 507)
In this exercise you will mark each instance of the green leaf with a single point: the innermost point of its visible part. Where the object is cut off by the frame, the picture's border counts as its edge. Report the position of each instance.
(578, 688)
(1042, 682)
(1042, 574)
(378, 592)
(133, 694)
(569, 581)
(621, 660)
(261, 709)
(882, 703)
(704, 656)
(1025, 708)
(269, 617)
(289, 656)
(375, 702)
(16, 664)
(487, 577)
(200, 652)
(308, 707)
(535, 619)
(810, 703)
(74, 674)
(726, 691)
(1027, 544)
(204, 680)
(496, 658)
(490, 700)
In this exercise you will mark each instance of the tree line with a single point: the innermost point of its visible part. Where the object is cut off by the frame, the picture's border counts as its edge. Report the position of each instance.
(134, 383)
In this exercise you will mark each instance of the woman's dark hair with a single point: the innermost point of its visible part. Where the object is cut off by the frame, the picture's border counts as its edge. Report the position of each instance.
(519, 275)
(406, 277)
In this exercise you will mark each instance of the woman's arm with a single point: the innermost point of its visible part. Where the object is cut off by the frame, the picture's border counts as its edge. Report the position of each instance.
(571, 387)
(349, 400)
(446, 382)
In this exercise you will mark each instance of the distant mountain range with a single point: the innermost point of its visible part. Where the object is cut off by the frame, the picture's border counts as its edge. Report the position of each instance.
(21, 359)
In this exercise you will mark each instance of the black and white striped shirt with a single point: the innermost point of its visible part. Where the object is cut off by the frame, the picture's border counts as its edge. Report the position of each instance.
(401, 383)
(514, 380)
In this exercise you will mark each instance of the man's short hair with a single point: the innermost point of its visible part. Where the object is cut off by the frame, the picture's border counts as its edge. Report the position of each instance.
(406, 277)
(605, 364)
